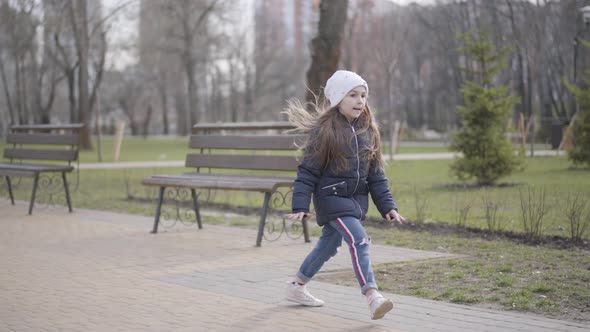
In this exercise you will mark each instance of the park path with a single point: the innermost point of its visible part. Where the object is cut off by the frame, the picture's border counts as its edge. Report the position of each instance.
(102, 271)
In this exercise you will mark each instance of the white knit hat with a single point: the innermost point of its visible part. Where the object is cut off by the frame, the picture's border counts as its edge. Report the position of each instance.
(340, 83)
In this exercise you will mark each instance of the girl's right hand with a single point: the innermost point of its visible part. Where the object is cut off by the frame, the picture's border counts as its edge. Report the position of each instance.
(299, 215)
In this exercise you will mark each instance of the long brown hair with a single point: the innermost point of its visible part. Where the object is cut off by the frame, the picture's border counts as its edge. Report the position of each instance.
(327, 133)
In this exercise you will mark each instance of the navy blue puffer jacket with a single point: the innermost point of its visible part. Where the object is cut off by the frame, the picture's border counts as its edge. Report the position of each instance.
(342, 193)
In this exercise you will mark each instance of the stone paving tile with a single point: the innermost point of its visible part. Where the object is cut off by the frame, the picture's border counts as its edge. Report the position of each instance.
(102, 271)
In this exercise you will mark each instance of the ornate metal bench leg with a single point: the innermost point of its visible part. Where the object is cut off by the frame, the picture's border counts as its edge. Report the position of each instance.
(10, 189)
(196, 207)
(158, 207)
(35, 185)
(262, 219)
(63, 177)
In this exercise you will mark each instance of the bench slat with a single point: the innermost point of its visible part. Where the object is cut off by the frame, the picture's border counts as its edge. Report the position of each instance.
(258, 162)
(17, 173)
(250, 177)
(228, 177)
(35, 167)
(277, 125)
(41, 127)
(229, 183)
(49, 139)
(246, 142)
(36, 154)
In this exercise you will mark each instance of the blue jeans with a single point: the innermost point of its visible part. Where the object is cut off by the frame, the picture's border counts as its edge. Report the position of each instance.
(353, 233)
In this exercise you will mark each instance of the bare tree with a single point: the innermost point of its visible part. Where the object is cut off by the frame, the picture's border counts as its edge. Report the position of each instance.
(18, 25)
(374, 42)
(129, 94)
(186, 29)
(203, 71)
(48, 77)
(326, 45)
(161, 80)
(432, 41)
(60, 48)
(78, 46)
(79, 19)
(386, 55)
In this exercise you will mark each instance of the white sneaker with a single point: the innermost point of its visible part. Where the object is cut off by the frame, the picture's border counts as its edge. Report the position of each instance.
(298, 293)
(378, 305)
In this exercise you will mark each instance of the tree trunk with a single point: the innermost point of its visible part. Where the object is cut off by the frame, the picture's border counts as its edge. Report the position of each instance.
(191, 86)
(99, 70)
(146, 121)
(520, 83)
(181, 114)
(325, 54)
(45, 83)
(20, 110)
(164, 100)
(9, 105)
(71, 78)
(419, 109)
(248, 96)
(80, 25)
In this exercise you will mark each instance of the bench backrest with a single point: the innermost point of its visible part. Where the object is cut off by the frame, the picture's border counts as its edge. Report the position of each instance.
(215, 152)
(242, 126)
(43, 142)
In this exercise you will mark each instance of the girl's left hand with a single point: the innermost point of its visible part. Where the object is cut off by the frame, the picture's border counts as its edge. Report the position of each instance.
(394, 215)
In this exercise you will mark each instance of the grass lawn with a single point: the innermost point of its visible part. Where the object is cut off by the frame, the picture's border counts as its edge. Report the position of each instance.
(496, 272)
(139, 149)
(175, 148)
(136, 148)
(426, 192)
(421, 188)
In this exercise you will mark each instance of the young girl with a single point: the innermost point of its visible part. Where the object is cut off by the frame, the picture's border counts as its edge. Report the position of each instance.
(341, 166)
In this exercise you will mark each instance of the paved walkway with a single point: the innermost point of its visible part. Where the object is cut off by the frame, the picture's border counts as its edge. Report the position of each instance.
(97, 271)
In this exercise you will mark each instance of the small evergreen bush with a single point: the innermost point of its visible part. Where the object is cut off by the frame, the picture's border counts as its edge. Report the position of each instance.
(488, 154)
(580, 153)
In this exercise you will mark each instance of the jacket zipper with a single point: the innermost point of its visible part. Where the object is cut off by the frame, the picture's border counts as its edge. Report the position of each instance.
(358, 161)
(333, 185)
(358, 166)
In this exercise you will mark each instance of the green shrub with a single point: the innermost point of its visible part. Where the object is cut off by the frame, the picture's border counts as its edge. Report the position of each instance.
(580, 153)
(487, 152)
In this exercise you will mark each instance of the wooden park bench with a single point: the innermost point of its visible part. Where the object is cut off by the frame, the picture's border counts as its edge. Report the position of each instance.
(35, 149)
(214, 153)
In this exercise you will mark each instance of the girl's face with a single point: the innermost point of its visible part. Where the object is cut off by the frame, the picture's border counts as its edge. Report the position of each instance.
(353, 104)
